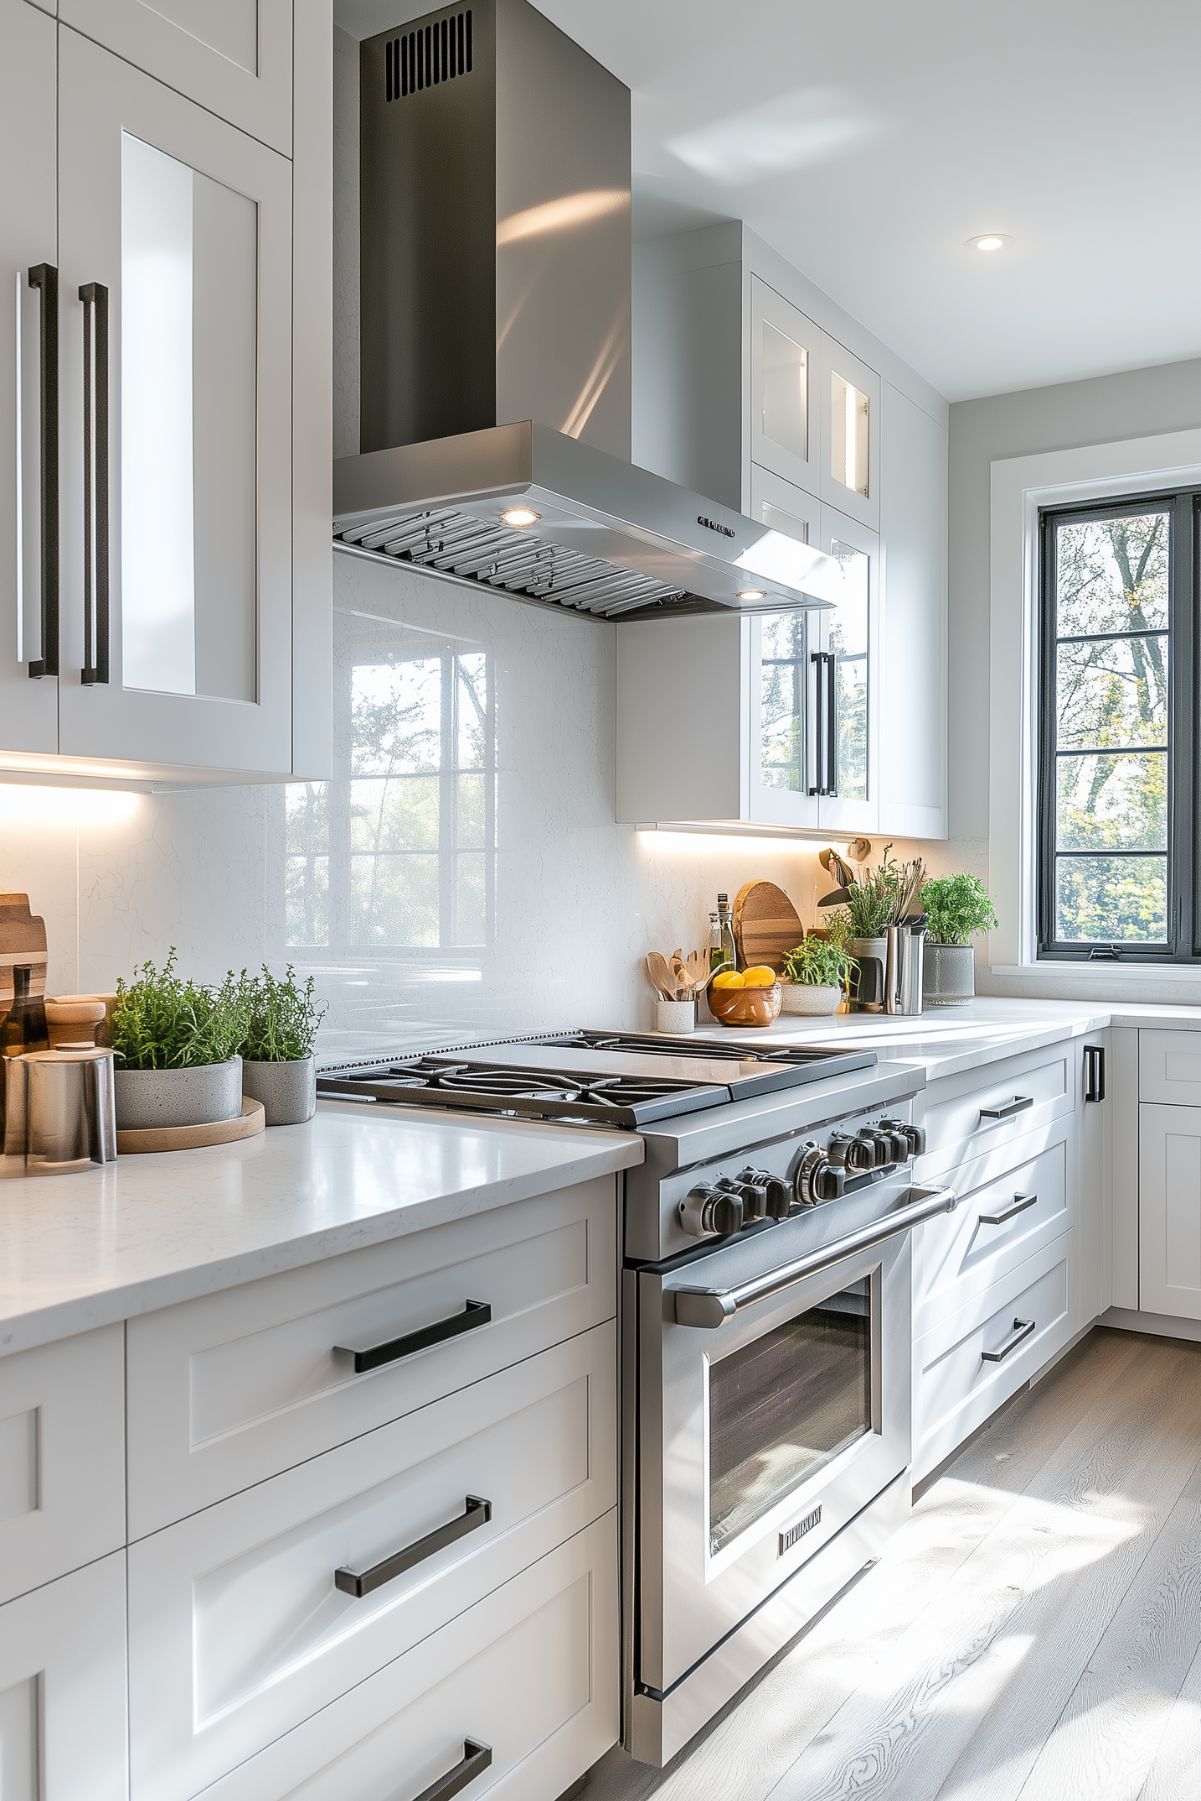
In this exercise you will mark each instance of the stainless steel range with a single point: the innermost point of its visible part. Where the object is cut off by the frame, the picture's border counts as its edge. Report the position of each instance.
(765, 1328)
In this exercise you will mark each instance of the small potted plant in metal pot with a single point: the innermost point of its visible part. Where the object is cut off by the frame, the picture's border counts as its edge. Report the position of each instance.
(816, 973)
(957, 906)
(175, 1048)
(282, 1018)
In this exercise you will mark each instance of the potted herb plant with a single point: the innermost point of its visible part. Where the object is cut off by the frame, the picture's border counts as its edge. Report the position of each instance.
(175, 1047)
(863, 919)
(282, 1018)
(816, 973)
(957, 906)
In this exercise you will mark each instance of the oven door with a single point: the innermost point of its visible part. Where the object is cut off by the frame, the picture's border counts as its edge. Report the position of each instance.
(763, 1431)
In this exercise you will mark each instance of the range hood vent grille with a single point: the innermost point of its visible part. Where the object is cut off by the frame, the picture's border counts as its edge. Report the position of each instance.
(510, 560)
(434, 53)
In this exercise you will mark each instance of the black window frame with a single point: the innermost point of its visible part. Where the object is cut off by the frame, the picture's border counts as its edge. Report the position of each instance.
(1183, 942)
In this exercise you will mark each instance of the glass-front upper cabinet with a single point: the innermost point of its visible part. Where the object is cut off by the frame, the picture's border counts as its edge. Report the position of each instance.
(781, 669)
(849, 674)
(175, 335)
(850, 472)
(233, 56)
(786, 398)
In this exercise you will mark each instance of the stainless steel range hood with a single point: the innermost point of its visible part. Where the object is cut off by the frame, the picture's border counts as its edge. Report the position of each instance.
(495, 339)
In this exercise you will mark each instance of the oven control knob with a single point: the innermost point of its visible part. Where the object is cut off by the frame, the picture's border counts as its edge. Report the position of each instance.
(752, 1186)
(898, 1140)
(818, 1179)
(866, 1152)
(779, 1198)
(838, 1149)
(706, 1211)
(915, 1136)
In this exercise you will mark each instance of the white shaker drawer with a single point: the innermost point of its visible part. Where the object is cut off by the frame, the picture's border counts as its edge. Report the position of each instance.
(62, 1458)
(967, 1115)
(971, 1362)
(524, 1683)
(1169, 1068)
(62, 1688)
(235, 1387)
(243, 1619)
(1013, 1201)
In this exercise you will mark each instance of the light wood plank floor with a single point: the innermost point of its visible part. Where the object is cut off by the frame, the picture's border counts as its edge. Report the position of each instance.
(1034, 1630)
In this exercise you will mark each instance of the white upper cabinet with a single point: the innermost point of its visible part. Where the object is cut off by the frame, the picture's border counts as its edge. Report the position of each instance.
(28, 382)
(850, 454)
(786, 409)
(782, 676)
(233, 56)
(913, 704)
(175, 313)
(849, 721)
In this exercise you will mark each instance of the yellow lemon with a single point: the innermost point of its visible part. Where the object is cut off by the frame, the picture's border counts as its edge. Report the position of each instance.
(760, 976)
(729, 978)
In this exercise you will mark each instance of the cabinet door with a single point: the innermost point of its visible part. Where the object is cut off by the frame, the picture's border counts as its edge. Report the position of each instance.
(28, 365)
(781, 675)
(850, 459)
(913, 704)
(785, 425)
(1169, 1211)
(175, 327)
(233, 56)
(851, 638)
(62, 1689)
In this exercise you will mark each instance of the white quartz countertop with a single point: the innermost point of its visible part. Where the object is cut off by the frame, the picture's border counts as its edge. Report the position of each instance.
(944, 1041)
(84, 1250)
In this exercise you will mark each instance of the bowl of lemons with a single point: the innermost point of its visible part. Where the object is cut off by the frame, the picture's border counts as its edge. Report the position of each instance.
(746, 997)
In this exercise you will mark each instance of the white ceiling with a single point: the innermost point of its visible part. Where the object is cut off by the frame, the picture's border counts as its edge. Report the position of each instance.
(867, 140)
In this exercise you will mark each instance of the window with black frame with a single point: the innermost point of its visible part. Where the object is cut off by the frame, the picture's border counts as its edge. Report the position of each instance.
(1117, 735)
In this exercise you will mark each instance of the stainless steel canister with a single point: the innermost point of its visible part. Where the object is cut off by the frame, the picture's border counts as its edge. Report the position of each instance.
(59, 1113)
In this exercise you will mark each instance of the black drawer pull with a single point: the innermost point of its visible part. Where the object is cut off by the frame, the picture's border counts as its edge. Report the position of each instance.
(475, 1760)
(1018, 1104)
(364, 1582)
(1022, 1328)
(44, 277)
(96, 624)
(1094, 1069)
(1017, 1205)
(373, 1357)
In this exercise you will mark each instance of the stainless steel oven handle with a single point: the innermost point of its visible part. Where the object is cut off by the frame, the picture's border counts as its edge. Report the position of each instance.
(711, 1307)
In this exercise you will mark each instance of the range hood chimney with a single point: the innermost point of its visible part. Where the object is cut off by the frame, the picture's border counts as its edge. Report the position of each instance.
(495, 338)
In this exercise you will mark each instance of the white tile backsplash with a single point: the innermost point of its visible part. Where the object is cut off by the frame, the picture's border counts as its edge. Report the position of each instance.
(577, 899)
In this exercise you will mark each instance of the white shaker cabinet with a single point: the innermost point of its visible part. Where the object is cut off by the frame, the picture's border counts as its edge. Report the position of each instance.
(175, 332)
(233, 56)
(28, 314)
(62, 1689)
(850, 438)
(785, 389)
(1169, 1211)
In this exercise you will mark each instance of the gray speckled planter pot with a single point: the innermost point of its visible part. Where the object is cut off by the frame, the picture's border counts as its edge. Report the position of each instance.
(178, 1097)
(949, 974)
(288, 1091)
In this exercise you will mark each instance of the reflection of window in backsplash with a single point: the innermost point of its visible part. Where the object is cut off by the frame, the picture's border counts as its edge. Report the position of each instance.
(398, 851)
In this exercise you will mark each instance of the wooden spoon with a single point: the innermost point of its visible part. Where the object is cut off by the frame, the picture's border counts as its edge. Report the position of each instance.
(659, 971)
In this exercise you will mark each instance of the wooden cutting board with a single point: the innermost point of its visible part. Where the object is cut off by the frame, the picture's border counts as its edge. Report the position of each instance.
(766, 925)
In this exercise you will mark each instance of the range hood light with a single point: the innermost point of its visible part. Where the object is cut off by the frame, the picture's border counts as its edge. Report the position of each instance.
(752, 594)
(521, 516)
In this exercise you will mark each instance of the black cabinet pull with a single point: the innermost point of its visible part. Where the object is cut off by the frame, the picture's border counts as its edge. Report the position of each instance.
(1018, 1104)
(1022, 1328)
(95, 669)
(44, 277)
(1094, 1065)
(475, 1760)
(373, 1357)
(364, 1582)
(819, 726)
(1017, 1205)
(832, 725)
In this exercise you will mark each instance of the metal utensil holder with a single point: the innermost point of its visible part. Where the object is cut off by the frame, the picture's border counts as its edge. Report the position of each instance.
(57, 1112)
(903, 970)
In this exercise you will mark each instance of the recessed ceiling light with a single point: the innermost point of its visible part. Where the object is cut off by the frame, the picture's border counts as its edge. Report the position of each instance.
(991, 240)
(521, 516)
(752, 594)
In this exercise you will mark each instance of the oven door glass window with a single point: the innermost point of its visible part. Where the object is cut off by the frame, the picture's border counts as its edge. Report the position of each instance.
(784, 1405)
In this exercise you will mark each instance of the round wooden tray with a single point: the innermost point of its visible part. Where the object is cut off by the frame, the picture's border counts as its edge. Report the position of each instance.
(247, 1124)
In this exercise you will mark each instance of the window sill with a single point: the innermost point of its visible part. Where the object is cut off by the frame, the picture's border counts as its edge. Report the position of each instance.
(1104, 971)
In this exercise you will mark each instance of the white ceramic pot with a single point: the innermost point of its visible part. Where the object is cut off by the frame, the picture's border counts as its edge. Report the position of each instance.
(178, 1097)
(949, 977)
(288, 1091)
(675, 1016)
(801, 997)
